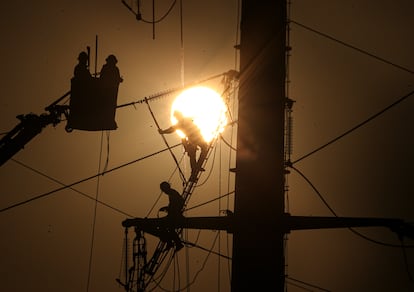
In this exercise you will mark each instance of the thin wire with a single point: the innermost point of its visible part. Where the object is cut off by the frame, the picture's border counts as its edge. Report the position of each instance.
(197, 238)
(179, 273)
(407, 267)
(401, 99)
(169, 91)
(208, 250)
(334, 213)
(352, 47)
(124, 256)
(94, 215)
(162, 17)
(166, 143)
(158, 280)
(307, 284)
(209, 201)
(228, 143)
(301, 287)
(187, 261)
(82, 180)
(237, 34)
(153, 19)
(108, 133)
(73, 189)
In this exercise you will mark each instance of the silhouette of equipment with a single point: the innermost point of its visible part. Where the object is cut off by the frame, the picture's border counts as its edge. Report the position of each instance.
(230, 223)
(29, 127)
(93, 100)
(287, 222)
(92, 107)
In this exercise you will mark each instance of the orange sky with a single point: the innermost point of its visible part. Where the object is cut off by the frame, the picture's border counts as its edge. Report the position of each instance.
(46, 243)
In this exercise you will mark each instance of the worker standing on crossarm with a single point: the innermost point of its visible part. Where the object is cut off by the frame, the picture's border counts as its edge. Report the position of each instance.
(191, 142)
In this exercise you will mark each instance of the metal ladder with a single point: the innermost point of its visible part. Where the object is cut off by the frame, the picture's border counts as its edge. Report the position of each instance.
(162, 248)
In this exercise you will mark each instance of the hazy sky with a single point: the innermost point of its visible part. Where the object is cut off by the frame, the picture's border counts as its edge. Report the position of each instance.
(46, 244)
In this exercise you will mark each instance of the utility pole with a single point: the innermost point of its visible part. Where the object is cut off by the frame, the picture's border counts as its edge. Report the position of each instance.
(259, 195)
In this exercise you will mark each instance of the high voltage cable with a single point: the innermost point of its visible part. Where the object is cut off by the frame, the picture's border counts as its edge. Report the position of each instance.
(210, 251)
(355, 127)
(209, 201)
(299, 286)
(165, 141)
(170, 91)
(94, 216)
(352, 47)
(162, 17)
(334, 213)
(207, 250)
(139, 16)
(73, 189)
(307, 284)
(83, 180)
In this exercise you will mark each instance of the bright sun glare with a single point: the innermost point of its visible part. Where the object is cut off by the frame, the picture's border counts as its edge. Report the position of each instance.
(205, 107)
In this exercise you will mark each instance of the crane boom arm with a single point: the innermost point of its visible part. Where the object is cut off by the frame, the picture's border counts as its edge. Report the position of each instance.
(29, 127)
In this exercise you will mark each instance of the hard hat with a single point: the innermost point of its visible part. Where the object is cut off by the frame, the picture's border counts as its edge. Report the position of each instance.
(111, 58)
(164, 186)
(82, 56)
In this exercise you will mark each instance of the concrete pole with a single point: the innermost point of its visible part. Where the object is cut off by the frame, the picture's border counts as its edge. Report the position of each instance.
(258, 240)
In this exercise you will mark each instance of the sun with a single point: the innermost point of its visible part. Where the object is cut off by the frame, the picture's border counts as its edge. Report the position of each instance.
(205, 106)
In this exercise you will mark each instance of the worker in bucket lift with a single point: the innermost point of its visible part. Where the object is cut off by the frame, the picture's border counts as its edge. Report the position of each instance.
(109, 74)
(81, 71)
(191, 142)
(174, 213)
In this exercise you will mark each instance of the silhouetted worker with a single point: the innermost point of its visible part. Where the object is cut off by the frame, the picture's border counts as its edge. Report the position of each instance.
(82, 88)
(110, 75)
(81, 71)
(193, 140)
(109, 80)
(174, 210)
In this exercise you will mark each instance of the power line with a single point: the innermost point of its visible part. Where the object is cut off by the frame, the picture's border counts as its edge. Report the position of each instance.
(210, 251)
(307, 284)
(165, 141)
(299, 286)
(352, 47)
(207, 250)
(171, 91)
(94, 216)
(208, 202)
(83, 180)
(162, 17)
(334, 213)
(227, 143)
(73, 189)
(401, 99)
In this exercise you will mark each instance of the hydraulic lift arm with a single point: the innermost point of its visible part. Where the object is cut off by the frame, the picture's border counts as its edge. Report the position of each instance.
(29, 127)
